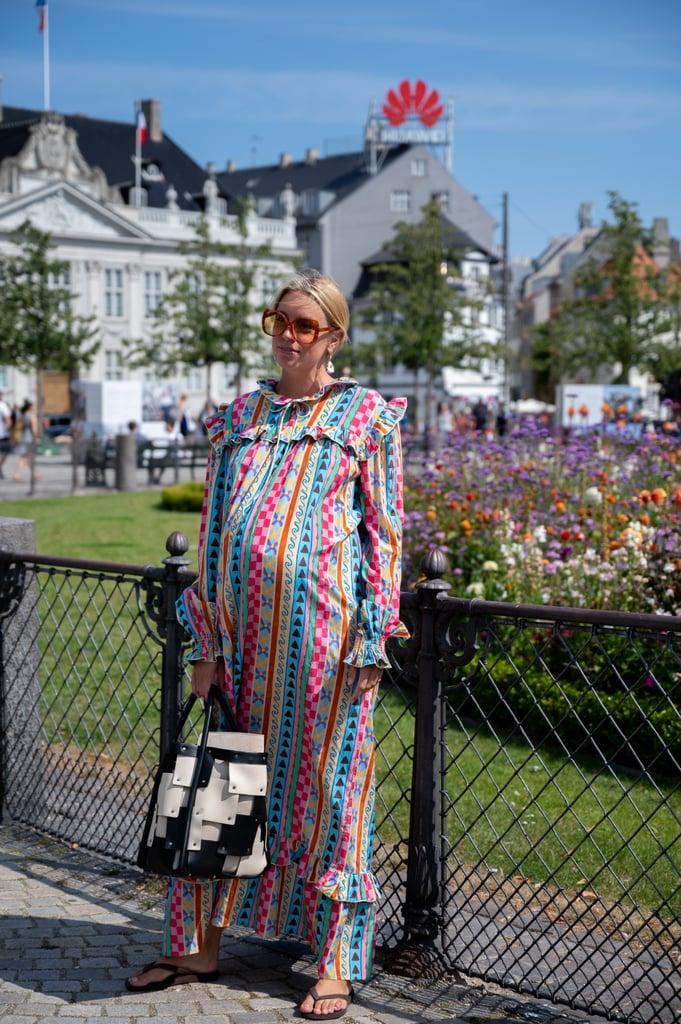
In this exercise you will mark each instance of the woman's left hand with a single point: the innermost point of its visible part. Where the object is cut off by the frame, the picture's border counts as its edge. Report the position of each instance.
(368, 677)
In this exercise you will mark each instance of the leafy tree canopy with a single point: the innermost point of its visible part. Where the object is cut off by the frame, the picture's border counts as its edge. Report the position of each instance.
(622, 311)
(38, 329)
(207, 315)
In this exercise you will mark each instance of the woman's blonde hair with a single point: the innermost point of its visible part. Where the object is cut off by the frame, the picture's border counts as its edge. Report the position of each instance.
(325, 292)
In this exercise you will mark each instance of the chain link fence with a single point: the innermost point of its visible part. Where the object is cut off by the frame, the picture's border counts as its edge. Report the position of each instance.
(528, 799)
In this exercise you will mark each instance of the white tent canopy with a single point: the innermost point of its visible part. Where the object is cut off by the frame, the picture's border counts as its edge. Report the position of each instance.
(531, 407)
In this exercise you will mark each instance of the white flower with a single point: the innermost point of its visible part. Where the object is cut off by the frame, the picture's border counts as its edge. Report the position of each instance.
(593, 496)
(540, 534)
(476, 589)
(489, 566)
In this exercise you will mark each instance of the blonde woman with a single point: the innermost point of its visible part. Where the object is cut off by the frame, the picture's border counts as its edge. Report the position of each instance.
(297, 592)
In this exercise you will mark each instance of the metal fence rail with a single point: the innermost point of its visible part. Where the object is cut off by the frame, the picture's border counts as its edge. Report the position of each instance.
(528, 800)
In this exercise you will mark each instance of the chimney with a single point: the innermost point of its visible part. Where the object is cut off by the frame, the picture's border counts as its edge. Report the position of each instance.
(231, 166)
(152, 114)
(311, 156)
(285, 160)
(660, 241)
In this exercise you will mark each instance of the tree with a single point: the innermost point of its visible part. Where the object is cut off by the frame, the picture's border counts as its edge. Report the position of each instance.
(38, 329)
(620, 306)
(207, 315)
(415, 308)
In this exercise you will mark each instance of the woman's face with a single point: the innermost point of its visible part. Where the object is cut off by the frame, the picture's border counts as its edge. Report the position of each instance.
(292, 356)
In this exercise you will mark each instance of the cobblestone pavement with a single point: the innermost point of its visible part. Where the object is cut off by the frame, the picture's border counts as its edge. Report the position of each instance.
(73, 925)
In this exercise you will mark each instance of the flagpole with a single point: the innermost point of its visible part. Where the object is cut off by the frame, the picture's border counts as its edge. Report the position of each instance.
(46, 57)
(138, 155)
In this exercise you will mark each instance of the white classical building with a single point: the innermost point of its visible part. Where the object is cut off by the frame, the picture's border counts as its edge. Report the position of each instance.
(118, 231)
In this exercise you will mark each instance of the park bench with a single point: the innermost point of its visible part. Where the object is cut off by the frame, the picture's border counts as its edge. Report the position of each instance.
(156, 455)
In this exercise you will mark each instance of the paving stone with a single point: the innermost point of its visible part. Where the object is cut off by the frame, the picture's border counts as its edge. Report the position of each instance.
(72, 929)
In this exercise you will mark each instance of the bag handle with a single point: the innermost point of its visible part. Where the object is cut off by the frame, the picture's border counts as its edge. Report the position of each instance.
(213, 694)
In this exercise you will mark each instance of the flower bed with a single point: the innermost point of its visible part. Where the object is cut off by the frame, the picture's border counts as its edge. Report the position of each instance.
(588, 522)
(591, 522)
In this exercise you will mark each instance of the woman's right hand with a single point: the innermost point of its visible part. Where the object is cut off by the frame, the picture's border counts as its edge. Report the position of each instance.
(204, 674)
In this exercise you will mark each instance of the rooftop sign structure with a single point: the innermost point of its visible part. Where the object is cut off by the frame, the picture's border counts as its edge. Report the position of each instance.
(414, 115)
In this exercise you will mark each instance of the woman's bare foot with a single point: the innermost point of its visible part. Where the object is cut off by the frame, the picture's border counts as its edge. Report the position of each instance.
(155, 975)
(316, 1005)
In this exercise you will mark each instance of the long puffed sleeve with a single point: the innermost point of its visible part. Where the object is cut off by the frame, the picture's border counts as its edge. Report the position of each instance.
(381, 539)
(197, 607)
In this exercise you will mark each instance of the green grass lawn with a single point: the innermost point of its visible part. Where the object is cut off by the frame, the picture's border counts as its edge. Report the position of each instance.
(125, 527)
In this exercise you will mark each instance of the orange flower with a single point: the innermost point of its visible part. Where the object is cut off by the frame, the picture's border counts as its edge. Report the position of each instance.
(657, 495)
(644, 497)
(622, 518)
(571, 411)
(583, 410)
(676, 495)
(528, 538)
(466, 526)
(559, 506)
(431, 514)
(611, 499)
(644, 518)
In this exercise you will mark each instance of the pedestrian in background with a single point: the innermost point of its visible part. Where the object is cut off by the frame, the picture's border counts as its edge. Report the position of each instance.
(28, 440)
(5, 432)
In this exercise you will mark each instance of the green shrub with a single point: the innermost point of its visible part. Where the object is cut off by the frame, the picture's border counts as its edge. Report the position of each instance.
(186, 497)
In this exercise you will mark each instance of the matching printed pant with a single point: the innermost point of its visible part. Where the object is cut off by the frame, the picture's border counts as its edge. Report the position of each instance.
(341, 934)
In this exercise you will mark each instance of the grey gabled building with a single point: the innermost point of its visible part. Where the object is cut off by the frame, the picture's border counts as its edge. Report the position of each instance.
(345, 209)
(346, 206)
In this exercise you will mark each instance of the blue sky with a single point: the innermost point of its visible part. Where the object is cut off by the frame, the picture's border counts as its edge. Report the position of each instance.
(554, 104)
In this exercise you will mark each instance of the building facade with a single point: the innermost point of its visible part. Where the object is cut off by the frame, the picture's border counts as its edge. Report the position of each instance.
(119, 229)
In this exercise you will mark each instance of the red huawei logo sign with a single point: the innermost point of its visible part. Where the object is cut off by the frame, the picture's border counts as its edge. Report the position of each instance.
(425, 105)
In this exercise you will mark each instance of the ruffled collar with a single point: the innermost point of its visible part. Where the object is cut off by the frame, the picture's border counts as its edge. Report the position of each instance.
(267, 385)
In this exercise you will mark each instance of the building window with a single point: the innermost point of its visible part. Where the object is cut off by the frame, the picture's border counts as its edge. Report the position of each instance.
(400, 200)
(193, 378)
(113, 292)
(62, 282)
(113, 365)
(419, 167)
(152, 291)
(269, 286)
(443, 199)
(310, 202)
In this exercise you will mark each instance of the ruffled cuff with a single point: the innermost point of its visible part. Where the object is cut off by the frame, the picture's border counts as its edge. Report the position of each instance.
(349, 886)
(372, 652)
(202, 649)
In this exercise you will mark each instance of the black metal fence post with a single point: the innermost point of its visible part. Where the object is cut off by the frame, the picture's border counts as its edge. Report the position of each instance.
(172, 666)
(418, 954)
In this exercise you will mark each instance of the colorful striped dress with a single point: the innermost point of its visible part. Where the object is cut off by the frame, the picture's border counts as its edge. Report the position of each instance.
(298, 585)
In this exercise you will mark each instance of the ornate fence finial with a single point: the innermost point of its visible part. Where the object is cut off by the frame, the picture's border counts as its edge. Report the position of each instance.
(177, 544)
(433, 567)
